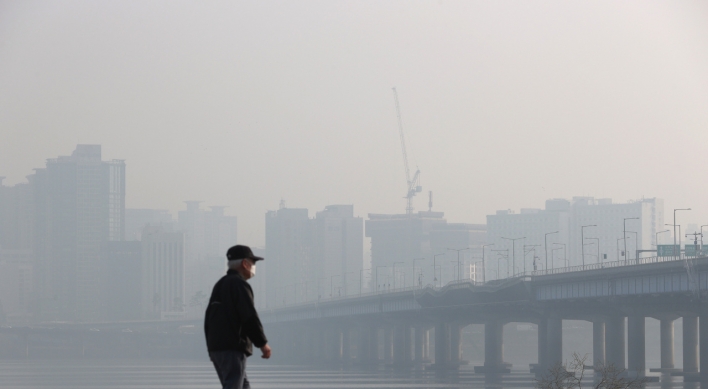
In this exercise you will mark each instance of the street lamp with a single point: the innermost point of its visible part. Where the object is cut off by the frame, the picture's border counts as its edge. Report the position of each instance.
(420, 277)
(458, 260)
(513, 253)
(526, 252)
(582, 241)
(705, 225)
(565, 254)
(506, 258)
(598, 247)
(678, 209)
(657, 240)
(435, 269)
(624, 233)
(377, 276)
(545, 244)
(674, 248)
(484, 264)
(636, 245)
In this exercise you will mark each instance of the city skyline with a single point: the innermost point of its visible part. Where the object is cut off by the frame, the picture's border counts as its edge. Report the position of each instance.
(502, 106)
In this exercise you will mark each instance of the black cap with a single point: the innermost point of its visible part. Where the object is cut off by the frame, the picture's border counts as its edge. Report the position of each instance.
(241, 252)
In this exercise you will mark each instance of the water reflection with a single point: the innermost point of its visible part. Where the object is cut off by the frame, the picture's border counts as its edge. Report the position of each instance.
(151, 374)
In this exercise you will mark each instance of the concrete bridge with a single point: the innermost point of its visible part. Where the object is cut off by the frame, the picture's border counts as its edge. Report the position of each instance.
(395, 327)
(616, 297)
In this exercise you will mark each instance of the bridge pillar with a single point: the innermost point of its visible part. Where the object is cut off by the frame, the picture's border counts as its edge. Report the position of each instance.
(367, 351)
(493, 348)
(346, 345)
(690, 344)
(636, 358)
(554, 345)
(421, 344)
(542, 337)
(442, 344)
(666, 337)
(703, 323)
(402, 345)
(598, 343)
(455, 343)
(615, 341)
(388, 344)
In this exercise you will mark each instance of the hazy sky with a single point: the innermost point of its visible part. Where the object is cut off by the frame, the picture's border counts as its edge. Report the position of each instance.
(505, 104)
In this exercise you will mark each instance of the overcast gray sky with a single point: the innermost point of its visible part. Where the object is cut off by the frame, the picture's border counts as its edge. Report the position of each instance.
(505, 104)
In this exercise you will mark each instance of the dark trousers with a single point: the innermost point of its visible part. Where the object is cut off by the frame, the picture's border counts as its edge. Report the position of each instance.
(230, 365)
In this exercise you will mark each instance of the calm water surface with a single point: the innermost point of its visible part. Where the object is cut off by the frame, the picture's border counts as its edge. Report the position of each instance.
(132, 374)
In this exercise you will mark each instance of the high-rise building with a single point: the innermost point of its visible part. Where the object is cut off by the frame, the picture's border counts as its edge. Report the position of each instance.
(121, 280)
(528, 230)
(208, 235)
(79, 204)
(16, 287)
(308, 259)
(136, 220)
(419, 249)
(339, 248)
(162, 275)
(553, 235)
(289, 257)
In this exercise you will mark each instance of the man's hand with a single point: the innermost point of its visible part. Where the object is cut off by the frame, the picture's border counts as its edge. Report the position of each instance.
(266, 351)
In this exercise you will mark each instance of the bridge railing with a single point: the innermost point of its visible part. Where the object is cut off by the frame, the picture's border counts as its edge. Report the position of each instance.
(458, 284)
(603, 265)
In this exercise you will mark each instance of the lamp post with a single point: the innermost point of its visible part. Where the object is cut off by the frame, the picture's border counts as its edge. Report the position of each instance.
(674, 248)
(377, 277)
(705, 225)
(553, 255)
(545, 245)
(636, 244)
(435, 269)
(526, 252)
(506, 258)
(598, 247)
(618, 248)
(458, 260)
(513, 253)
(582, 241)
(484, 264)
(420, 279)
(565, 253)
(624, 233)
(331, 279)
(657, 240)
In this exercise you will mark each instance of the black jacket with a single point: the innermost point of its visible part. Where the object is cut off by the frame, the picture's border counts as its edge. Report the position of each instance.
(231, 321)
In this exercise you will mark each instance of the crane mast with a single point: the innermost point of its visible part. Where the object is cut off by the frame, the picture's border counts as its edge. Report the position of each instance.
(413, 184)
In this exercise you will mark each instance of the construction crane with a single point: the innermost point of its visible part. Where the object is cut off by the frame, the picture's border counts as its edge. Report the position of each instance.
(413, 183)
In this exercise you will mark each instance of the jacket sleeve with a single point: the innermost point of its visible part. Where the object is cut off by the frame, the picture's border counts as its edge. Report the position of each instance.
(250, 322)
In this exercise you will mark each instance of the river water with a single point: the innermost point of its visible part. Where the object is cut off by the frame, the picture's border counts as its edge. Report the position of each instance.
(151, 374)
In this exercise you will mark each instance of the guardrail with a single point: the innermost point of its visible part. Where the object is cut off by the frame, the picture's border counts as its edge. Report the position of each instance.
(498, 283)
(604, 265)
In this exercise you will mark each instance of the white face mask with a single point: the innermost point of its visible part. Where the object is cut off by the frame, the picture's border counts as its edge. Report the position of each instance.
(253, 270)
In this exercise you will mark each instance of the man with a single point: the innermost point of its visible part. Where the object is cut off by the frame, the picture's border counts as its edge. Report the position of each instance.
(231, 322)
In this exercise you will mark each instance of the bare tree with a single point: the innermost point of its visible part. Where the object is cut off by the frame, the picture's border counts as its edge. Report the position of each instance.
(572, 376)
